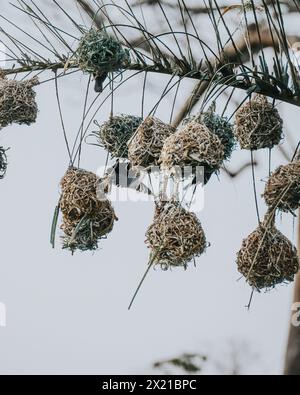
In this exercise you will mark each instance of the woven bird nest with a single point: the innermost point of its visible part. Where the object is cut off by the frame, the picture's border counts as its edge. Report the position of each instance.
(258, 124)
(283, 188)
(84, 235)
(116, 132)
(267, 257)
(193, 145)
(218, 125)
(145, 147)
(17, 102)
(3, 162)
(175, 237)
(98, 52)
(86, 217)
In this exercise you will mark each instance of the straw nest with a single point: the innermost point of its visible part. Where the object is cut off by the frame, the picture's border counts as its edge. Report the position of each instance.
(87, 217)
(145, 147)
(98, 52)
(17, 102)
(267, 257)
(218, 125)
(175, 237)
(116, 132)
(3, 162)
(193, 145)
(258, 124)
(282, 190)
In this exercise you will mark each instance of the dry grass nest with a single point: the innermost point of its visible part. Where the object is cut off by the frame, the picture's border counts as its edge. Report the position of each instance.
(283, 188)
(175, 237)
(98, 52)
(267, 257)
(3, 162)
(116, 132)
(145, 146)
(87, 217)
(258, 124)
(218, 125)
(17, 102)
(193, 145)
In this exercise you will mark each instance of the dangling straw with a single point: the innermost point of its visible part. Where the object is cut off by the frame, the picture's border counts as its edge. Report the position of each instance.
(151, 262)
(250, 300)
(144, 276)
(254, 186)
(54, 224)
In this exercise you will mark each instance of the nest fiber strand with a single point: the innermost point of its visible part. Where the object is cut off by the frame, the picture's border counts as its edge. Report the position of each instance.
(193, 145)
(116, 132)
(3, 162)
(99, 52)
(176, 236)
(86, 217)
(17, 102)
(145, 147)
(267, 257)
(282, 190)
(258, 124)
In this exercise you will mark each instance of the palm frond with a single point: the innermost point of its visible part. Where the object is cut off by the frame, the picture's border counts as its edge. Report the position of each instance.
(237, 57)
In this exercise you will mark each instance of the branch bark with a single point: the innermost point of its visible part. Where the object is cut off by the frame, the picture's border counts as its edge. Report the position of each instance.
(292, 360)
(292, 6)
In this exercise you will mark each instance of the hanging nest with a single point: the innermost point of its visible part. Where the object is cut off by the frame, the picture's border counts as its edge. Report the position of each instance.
(282, 190)
(258, 124)
(3, 162)
(193, 145)
(17, 102)
(218, 125)
(175, 237)
(87, 218)
(84, 235)
(98, 53)
(267, 257)
(116, 132)
(145, 147)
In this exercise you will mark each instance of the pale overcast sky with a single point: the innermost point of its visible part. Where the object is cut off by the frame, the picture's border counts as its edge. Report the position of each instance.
(69, 314)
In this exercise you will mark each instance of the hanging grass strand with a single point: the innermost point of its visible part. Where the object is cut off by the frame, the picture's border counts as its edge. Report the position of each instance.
(54, 225)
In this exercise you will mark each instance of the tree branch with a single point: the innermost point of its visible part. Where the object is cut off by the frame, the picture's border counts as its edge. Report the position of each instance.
(256, 42)
(159, 68)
